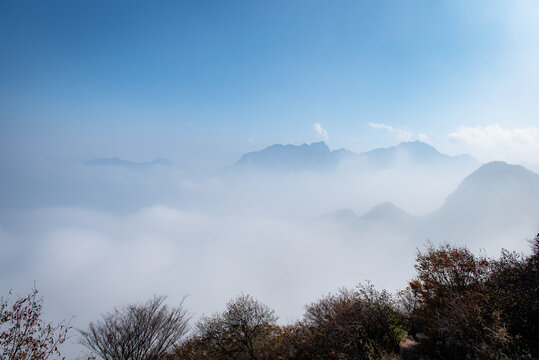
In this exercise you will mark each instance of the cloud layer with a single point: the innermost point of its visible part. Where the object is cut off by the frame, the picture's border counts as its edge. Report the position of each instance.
(494, 142)
(87, 262)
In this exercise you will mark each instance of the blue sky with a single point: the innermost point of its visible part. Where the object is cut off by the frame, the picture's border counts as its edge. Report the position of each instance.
(214, 79)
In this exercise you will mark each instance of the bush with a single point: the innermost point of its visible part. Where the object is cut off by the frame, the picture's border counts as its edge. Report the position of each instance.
(353, 324)
(475, 308)
(450, 289)
(514, 292)
(244, 330)
(24, 334)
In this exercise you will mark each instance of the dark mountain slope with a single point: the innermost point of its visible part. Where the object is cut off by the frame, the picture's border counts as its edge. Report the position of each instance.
(495, 194)
(319, 156)
(292, 157)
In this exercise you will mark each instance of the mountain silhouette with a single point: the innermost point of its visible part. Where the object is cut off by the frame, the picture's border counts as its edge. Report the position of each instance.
(386, 212)
(114, 161)
(292, 157)
(343, 216)
(491, 201)
(495, 194)
(319, 156)
(417, 152)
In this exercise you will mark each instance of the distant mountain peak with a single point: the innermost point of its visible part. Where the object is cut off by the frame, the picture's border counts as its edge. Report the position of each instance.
(417, 146)
(319, 144)
(498, 174)
(290, 157)
(344, 215)
(413, 147)
(416, 152)
(384, 212)
(497, 169)
(496, 187)
(115, 161)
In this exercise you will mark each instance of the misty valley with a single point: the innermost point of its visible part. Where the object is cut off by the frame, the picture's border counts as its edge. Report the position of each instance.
(287, 225)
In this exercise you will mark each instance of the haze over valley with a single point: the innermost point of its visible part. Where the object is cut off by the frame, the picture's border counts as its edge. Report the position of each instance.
(267, 224)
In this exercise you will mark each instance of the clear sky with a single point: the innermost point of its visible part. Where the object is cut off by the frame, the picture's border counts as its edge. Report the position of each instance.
(214, 79)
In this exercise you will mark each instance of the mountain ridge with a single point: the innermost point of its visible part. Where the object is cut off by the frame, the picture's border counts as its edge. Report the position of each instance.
(317, 155)
(494, 197)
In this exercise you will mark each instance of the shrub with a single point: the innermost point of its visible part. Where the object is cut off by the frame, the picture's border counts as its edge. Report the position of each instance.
(24, 334)
(514, 292)
(243, 331)
(470, 307)
(354, 324)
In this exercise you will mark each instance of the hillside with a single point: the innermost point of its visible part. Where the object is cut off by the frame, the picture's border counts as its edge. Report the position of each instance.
(495, 199)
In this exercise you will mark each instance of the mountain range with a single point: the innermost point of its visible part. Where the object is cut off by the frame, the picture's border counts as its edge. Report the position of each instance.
(291, 157)
(318, 156)
(416, 152)
(496, 197)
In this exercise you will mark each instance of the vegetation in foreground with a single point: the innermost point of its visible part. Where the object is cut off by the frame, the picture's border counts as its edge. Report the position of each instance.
(458, 306)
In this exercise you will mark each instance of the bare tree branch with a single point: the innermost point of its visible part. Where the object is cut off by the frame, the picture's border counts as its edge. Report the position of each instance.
(137, 332)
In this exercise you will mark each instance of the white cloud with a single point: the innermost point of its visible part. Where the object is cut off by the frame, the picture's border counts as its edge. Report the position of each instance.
(404, 135)
(400, 134)
(423, 138)
(492, 142)
(320, 131)
(381, 127)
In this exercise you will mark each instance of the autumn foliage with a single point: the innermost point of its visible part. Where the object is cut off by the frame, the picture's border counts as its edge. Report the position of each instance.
(468, 306)
(361, 323)
(458, 306)
(23, 333)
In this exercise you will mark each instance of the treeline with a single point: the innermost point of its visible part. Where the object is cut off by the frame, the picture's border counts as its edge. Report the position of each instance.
(458, 306)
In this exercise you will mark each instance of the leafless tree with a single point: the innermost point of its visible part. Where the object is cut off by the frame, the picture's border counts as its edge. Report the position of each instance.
(23, 333)
(240, 332)
(137, 332)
